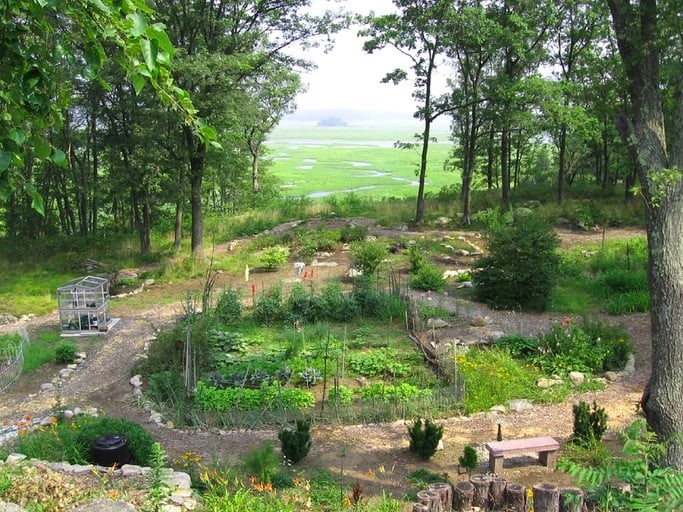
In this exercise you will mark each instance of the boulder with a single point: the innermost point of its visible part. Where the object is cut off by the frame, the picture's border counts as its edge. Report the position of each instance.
(519, 404)
(577, 378)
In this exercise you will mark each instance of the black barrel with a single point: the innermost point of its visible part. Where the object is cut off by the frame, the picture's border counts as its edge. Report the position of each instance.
(110, 450)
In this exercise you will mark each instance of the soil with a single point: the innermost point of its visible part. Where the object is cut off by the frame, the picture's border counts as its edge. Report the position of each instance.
(376, 454)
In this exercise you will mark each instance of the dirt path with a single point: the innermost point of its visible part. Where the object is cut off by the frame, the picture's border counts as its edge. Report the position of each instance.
(377, 454)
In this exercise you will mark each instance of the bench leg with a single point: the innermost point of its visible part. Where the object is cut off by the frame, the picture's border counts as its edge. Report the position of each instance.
(548, 459)
(495, 464)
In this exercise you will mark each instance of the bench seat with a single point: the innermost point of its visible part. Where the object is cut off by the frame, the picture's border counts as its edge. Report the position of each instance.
(546, 447)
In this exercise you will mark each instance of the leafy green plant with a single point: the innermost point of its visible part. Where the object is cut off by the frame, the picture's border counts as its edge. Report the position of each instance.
(228, 307)
(262, 462)
(424, 437)
(310, 376)
(590, 423)
(210, 398)
(160, 488)
(274, 257)
(521, 268)
(383, 362)
(367, 256)
(428, 277)
(65, 352)
(269, 307)
(653, 486)
(342, 394)
(416, 258)
(403, 393)
(351, 234)
(296, 443)
(468, 459)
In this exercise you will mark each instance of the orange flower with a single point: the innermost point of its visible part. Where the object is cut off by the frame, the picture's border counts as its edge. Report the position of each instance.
(5, 422)
(370, 473)
(252, 480)
(268, 487)
(296, 480)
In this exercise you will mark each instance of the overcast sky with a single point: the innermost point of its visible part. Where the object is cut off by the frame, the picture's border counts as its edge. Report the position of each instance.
(347, 77)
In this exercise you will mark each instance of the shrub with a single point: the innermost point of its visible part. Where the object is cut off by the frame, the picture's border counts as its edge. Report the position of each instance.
(341, 393)
(65, 352)
(590, 423)
(310, 376)
(424, 437)
(428, 277)
(298, 305)
(296, 444)
(351, 234)
(269, 307)
(274, 257)
(417, 258)
(262, 462)
(367, 256)
(229, 307)
(468, 459)
(521, 268)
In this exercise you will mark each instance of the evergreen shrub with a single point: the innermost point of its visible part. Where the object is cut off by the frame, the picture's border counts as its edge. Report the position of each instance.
(590, 423)
(296, 443)
(424, 437)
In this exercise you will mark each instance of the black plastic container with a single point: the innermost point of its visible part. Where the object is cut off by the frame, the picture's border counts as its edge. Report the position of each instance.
(110, 450)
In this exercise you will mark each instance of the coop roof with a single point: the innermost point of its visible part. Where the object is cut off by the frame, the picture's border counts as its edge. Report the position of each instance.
(85, 283)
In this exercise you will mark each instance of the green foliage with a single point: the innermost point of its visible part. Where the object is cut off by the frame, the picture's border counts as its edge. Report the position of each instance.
(521, 268)
(653, 486)
(269, 307)
(65, 353)
(428, 277)
(401, 393)
(590, 423)
(228, 307)
(262, 462)
(591, 453)
(416, 258)
(341, 394)
(367, 256)
(423, 478)
(310, 376)
(296, 443)
(160, 488)
(378, 363)
(350, 234)
(210, 398)
(72, 440)
(274, 257)
(468, 459)
(424, 437)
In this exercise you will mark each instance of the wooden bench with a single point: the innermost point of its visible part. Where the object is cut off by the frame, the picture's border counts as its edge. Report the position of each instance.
(546, 447)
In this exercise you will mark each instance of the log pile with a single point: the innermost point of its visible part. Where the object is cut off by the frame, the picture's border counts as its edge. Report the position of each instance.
(485, 493)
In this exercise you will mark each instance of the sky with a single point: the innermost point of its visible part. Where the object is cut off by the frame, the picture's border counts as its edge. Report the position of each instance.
(349, 78)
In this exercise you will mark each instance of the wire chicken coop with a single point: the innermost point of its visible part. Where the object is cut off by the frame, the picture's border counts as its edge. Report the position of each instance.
(84, 306)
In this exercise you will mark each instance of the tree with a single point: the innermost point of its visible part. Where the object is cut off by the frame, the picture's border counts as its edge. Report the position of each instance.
(36, 40)
(650, 44)
(419, 31)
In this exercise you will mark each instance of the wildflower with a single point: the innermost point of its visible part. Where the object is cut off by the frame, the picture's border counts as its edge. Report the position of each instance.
(370, 473)
(296, 480)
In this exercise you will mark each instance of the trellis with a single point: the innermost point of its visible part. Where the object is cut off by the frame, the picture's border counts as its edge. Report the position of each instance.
(12, 355)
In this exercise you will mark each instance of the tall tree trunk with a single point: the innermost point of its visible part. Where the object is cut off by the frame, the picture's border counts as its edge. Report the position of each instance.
(505, 168)
(95, 170)
(197, 153)
(254, 171)
(659, 171)
(562, 164)
(179, 206)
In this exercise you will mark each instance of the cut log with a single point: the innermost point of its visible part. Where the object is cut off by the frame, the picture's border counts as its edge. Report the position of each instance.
(571, 499)
(515, 498)
(463, 496)
(482, 489)
(420, 507)
(546, 498)
(430, 498)
(445, 493)
(497, 493)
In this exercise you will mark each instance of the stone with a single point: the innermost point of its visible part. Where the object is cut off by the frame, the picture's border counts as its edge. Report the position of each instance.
(519, 404)
(48, 420)
(91, 411)
(155, 417)
(15, 457)
(498, 409)
(47, 386)
(462, 252)
(439, 445)
(495, 336)
(466, 284)
(442, 221)
(6, 319)
(105, 505)
(545, 383)
(630, 367)
(354, 273)
(136, 381)
(577, 378)
(78, 411)
(611, 376)
(437, 323)
(138, 393)
(10, 507)
(170, 425)
(480, 321)
(299, 267)
(180, 479)
(65, 373)
(68, 414)
(72, 366)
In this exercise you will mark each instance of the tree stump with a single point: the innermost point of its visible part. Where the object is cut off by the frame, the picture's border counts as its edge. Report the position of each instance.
(445, 493)
(463, 495)
(419, 507)
(432, 499)
(515, 498)
(571, 499)
(546, 498)
(482, 489)
(497, 493)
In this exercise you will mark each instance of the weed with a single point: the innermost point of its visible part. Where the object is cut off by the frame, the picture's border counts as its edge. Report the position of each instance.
(262, 463)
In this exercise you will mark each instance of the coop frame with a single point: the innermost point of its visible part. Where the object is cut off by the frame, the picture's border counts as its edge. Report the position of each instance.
(83, 305)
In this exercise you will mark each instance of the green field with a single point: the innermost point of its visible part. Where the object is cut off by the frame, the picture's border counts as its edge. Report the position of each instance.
(361, 158)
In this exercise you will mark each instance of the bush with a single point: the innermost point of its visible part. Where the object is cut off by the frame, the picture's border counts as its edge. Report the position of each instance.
(342, 394)
(367, 256)
(428, 277)
(296, 444)
(262, 463)
(424, 438)
(65, 352)
(521, 268)
(274, 257)
(269, 306)
(590, 423)
(468, 459)
(229, 307)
